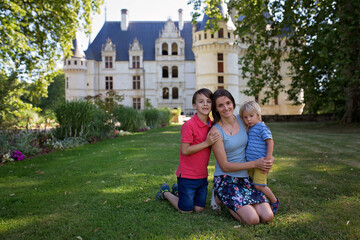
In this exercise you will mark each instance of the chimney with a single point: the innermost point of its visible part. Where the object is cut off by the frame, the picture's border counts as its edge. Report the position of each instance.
(181, 21)
(124, 19)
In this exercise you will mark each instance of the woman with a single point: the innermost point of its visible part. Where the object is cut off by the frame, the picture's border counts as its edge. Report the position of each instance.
(231, 180)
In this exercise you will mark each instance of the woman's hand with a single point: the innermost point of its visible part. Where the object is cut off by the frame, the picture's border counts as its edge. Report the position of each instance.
(264, 164)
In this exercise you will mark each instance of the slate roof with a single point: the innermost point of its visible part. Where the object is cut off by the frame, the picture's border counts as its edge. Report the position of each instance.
(145, 32)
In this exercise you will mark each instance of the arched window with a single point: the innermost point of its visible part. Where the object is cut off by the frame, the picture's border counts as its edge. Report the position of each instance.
(165, 49)
(221, 33)
(175, 93)
(174, 71)
(174, 49)
(165, 72)
(165, 93)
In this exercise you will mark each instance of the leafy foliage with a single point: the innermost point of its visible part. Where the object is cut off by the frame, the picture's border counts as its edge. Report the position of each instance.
(80, 118)
(130, 119)
(318, 38)
(34, 35)
(55, 93)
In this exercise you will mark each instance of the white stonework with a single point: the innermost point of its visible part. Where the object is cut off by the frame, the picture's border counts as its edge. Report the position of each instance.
(169, 80)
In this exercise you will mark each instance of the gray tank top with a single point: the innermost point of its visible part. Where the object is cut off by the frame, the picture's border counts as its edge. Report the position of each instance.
(235, 149)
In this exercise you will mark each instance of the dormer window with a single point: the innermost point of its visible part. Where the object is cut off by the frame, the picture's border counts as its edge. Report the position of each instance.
(136, 61)
(221, 33)
(164, 49)
(108, 62)
(174, 49)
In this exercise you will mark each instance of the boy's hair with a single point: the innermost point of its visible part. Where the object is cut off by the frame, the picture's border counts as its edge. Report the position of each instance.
(204, 91)
(220, 93)
(250, 107)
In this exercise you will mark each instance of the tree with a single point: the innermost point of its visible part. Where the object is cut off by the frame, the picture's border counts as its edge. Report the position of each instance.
(35, 35)
(321, 44)
(55, 92)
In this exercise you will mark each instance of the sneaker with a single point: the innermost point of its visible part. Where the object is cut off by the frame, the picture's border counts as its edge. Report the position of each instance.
(213, 203)
(275, 206)
(163, 188)
(174, 189)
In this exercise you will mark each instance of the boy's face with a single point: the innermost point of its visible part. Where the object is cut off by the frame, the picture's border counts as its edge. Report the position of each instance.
(202, 104)
(250, 119)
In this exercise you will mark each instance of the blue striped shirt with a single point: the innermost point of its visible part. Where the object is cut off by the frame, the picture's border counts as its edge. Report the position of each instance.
(257, 146)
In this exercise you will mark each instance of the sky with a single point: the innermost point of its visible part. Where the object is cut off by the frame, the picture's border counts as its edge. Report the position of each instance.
(138, 10)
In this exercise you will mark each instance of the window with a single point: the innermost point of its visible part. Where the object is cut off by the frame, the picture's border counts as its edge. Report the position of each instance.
(257, 98)
(229, 35)
(175, 93)
(164, 49)
(165, 93)
(136, 103)
(205, 36)
(220, 87)
(242, 40)
(199, 37)
(221, 33)
(220, 79)
(212, 35)
(82, 63)
(75, 62)
(69, 62)
(220, 58)
(174, 49)
(136, 62)
(174, 72)
(136, 82)
(276, 100)
(108, 83)
(279, 43)
(67, 83)
(165, 72)
(108, 62)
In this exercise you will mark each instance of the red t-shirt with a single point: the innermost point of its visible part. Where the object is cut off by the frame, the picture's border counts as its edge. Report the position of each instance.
(194, 166)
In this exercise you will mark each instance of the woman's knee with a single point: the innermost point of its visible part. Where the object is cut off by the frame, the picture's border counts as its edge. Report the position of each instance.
(252, 220)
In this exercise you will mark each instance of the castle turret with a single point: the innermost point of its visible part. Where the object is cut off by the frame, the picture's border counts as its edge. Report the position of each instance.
(75, 69)
(216, 56)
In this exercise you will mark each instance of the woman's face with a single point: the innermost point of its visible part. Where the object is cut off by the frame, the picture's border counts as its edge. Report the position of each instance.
(224, 106)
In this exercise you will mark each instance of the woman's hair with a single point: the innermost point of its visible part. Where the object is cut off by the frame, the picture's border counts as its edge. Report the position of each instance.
(220, 93)
(250, 107)
(204, 91)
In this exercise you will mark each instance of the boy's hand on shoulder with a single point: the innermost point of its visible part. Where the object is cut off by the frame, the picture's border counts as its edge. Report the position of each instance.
(212, 137)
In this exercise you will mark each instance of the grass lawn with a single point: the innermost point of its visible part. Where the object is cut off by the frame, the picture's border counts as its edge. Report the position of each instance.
(107, 190)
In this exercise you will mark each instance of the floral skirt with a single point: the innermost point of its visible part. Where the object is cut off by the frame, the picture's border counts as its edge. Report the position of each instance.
(236, 192)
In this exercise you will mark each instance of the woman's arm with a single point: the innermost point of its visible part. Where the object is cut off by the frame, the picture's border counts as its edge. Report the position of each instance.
(220, 155)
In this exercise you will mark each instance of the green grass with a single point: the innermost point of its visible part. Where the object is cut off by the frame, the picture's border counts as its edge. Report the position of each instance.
(106, 190)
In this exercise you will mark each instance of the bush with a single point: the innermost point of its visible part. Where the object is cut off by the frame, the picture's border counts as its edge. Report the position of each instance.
(80, 118)
(25, 142)
(152, 118)
(165, 116)
(130, 119)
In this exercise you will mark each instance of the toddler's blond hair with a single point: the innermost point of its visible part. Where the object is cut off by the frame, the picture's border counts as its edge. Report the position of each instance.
(250, 107)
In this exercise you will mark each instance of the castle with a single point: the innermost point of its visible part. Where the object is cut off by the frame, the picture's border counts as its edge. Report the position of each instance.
(164, 63)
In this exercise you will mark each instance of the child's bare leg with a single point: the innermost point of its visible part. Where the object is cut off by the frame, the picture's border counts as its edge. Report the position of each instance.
(174, 200)
(268, 193)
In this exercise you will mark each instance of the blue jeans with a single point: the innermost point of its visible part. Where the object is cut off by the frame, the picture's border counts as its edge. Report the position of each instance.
(192, 192)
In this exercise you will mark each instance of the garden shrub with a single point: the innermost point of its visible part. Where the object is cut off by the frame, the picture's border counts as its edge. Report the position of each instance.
(152, 118)
(130, 119)
(80, 118)
(22, 141)
(165, 116)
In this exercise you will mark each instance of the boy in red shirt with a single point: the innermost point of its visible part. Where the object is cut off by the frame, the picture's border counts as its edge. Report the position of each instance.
(192, 172)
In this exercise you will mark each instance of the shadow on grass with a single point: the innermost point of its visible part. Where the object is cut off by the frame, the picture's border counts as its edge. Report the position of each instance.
(107, 191)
